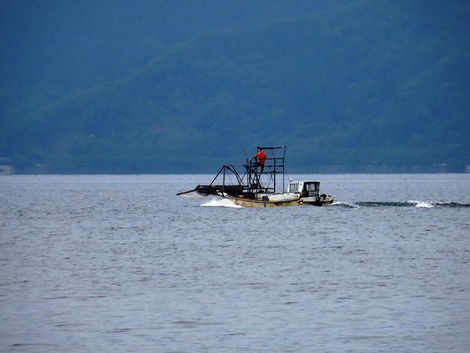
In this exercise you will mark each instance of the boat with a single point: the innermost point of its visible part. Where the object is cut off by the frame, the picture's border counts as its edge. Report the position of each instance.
(263, 183)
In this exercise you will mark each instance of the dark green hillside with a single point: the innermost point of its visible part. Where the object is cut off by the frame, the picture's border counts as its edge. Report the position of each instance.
(363, 87)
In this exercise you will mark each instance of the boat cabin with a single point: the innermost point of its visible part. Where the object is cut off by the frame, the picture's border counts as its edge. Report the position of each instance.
(309, 188)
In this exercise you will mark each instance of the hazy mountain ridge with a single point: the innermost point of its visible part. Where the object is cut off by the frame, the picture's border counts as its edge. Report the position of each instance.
(362, 87)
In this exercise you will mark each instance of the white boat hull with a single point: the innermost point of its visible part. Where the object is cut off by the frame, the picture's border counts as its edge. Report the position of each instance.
(252, 203)
(279, 200)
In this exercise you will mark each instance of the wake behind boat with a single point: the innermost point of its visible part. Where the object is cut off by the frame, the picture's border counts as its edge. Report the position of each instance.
(262, 183)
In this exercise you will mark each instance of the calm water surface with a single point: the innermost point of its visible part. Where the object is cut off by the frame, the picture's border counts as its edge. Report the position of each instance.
(120, 264)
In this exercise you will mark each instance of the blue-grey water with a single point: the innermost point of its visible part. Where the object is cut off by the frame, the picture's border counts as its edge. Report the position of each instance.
(121, 264)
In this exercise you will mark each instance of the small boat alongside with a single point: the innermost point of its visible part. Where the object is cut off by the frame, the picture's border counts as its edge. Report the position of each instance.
(262, 183)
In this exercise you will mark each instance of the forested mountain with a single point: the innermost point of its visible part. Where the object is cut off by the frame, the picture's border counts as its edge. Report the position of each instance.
(118, 86)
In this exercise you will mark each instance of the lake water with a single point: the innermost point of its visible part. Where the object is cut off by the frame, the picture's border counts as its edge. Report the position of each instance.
(121, 264)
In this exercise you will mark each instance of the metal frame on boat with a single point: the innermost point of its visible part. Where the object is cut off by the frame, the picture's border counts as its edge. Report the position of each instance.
(264, 186)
